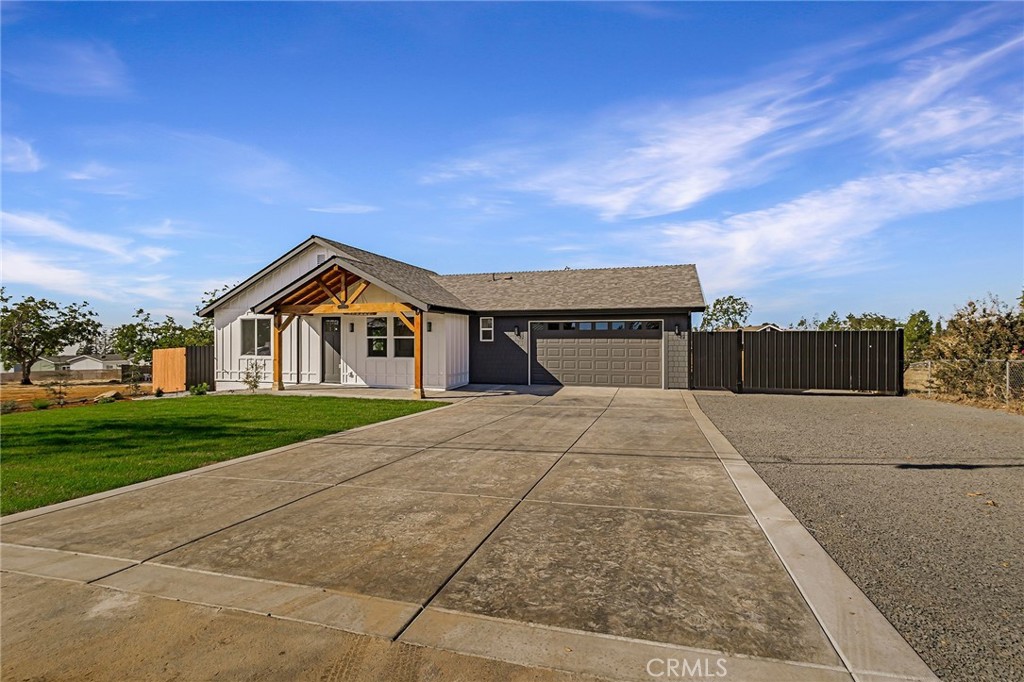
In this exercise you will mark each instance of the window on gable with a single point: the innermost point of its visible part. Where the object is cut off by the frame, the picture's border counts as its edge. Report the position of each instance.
(487, 329)
(256, 337)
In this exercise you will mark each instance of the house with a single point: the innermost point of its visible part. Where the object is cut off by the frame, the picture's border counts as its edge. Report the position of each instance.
(107, 361)
(763, 327)
(330, 313)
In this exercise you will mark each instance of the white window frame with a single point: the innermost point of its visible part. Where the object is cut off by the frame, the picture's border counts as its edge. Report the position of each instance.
(488, 328)
(256, 337)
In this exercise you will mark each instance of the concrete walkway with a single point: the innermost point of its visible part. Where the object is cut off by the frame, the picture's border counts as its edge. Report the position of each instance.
(609, 532)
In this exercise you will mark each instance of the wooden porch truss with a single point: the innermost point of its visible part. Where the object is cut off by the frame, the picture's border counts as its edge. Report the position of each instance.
(332, 292)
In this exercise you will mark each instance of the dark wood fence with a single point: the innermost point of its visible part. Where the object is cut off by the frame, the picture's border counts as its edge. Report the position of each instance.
(770, 361)
(716, 360)
(199, 366)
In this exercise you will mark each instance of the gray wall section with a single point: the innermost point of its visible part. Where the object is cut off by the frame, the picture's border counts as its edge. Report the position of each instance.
(506, 361)
(677, 359)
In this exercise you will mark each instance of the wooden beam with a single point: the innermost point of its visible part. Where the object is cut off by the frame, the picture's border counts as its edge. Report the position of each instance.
(278, 381)
(418, 355)
(357, 293)
(359, 308)
(287, 322)
(411, 324)
(330, 294)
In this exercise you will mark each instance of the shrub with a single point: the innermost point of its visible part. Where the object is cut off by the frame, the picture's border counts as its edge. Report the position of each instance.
(199, 389)
(106, 399)
(40, 403)
(158, 392)
(8, 406)
(253, 375)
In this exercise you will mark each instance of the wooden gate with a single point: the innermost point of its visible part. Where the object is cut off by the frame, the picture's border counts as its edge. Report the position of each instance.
(771, 361)
(716, 360)
(178, 369)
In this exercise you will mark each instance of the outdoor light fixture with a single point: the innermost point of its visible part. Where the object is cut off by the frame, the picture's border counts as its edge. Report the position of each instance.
(517, 330)
(351, 326)
(677, 330)
(430, 326)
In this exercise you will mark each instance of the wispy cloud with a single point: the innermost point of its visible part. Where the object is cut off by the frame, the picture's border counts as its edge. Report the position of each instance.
(345, 209)
(68, 68)
(166, 229)
(939, 97)
(90, 171)
(39, 271)
(819, 232)
(19, 156)
(54, 232)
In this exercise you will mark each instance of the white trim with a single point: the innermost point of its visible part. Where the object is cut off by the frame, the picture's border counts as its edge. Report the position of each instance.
(482, 330)
(529, 342)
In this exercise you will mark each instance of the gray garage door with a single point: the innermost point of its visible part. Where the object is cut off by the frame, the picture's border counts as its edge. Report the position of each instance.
(612, 353)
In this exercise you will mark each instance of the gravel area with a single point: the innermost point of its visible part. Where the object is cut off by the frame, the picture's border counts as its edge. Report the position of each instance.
(920, 502)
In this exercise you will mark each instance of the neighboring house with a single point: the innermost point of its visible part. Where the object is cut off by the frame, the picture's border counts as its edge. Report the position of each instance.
(108, 361)
(326, 312)
(765, 327)
(48, 363)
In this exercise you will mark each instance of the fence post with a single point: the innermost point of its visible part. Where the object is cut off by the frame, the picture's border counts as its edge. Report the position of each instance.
(929, 384)
(1006, 397)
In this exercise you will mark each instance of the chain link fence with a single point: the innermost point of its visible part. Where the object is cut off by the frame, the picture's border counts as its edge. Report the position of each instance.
(1000, 380)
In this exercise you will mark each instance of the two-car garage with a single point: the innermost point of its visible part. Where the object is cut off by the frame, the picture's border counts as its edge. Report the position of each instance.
(597, 353)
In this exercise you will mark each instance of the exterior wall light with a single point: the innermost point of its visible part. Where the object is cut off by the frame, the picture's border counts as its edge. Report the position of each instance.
(351, 326)
(677, 331)
(430, 326)
(517, 330)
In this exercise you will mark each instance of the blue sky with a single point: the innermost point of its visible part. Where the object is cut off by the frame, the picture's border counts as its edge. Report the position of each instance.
(809, 157)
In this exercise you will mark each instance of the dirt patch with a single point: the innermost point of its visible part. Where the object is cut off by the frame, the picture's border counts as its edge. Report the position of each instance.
(24, 395)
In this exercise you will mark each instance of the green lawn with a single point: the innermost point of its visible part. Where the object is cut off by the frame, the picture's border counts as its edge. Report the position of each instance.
(59, 454)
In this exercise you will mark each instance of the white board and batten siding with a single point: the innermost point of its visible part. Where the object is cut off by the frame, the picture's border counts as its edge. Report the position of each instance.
(446, 346)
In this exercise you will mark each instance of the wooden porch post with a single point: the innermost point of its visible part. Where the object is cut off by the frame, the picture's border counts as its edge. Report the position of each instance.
(278, 382)
(418, 355)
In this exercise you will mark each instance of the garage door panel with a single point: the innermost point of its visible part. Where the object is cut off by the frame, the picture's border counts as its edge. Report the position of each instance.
(596, 358)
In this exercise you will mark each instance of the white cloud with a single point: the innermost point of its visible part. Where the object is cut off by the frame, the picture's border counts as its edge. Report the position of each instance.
(90, 171)
(345, 208)
(820, 232)
(19, 156)
(946, 94)
(44, 227)
(68, 68)
(40, 271)
(165, 229)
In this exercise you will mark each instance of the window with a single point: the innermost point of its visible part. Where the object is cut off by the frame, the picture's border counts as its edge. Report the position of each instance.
(487, 329)
(618, 326)
(256, 337)
(601, 326)
(586, 326)
(554, 326)
(377, 337)
(636, 326)
(569, 326)
(405, 344)
(656, 326)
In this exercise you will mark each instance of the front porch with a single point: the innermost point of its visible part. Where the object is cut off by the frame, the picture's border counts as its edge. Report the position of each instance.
(470, 391)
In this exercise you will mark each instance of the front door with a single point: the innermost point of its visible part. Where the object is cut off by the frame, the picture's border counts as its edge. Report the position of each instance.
(332, 350)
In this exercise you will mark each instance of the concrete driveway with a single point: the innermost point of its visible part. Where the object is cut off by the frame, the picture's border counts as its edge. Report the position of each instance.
(611, 532)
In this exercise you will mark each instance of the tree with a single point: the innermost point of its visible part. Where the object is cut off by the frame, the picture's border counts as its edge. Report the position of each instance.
(102, 343)
(32, 328)
(870, 321)
(917, 334)
(136, 340)
(728, 311)
(980, 331)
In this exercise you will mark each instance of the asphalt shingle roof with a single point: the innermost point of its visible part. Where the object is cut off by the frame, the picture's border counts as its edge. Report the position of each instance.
(413, 280)
(658, 286)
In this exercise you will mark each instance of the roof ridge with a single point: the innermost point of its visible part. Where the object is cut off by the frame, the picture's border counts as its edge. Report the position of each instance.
(525, 272)
(342, 245)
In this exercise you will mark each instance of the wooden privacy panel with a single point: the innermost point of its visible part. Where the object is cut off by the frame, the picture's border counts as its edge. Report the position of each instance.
(169, 369)
(715, 360)
(178, 369)
(798, 361)
(828, 360)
